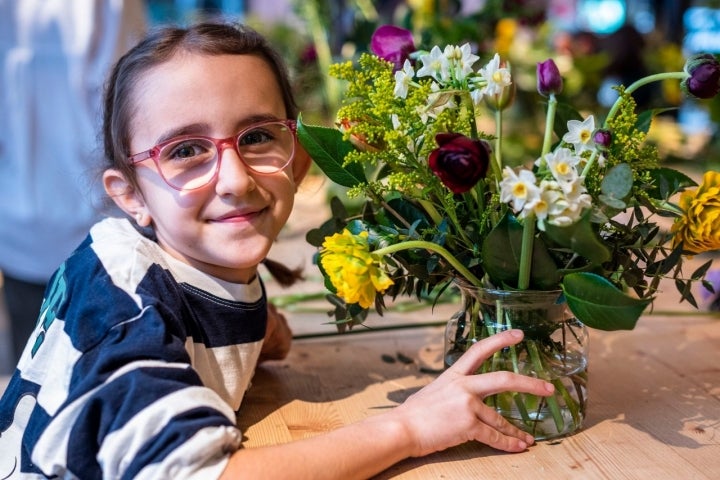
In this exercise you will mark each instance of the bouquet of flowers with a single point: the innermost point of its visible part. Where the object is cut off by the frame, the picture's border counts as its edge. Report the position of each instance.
(440, 205)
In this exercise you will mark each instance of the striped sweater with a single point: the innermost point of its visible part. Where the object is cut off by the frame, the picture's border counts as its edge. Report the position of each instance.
(135, 369)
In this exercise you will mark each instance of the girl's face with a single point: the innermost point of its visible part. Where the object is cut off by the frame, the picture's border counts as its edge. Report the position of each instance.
(228, 226)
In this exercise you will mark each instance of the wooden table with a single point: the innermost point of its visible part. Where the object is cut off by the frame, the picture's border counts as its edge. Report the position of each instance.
(654, 403)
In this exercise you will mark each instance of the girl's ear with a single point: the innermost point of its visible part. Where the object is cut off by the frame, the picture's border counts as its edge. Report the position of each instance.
(126, 196)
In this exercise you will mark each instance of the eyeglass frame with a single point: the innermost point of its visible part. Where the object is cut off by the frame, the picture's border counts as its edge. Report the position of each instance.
(220, 145)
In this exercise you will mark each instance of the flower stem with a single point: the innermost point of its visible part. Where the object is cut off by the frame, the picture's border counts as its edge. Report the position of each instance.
(643, 81)
(540, 370)
(469, 276)
(529, 225)
(526, 249)
(549, 122)
(498, 165)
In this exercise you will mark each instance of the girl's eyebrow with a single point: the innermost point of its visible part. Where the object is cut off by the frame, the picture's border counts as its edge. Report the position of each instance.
(203, 128)
(192, 129)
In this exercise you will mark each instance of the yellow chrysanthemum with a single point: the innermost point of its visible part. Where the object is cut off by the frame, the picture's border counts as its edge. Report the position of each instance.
(353, 270)
(699, 227)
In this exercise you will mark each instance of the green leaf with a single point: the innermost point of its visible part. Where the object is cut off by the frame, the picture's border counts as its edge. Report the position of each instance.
(328, 149)
(582, 239)
(501, 256)
(564, 112)
(667, 181)
(618, 181)
(599, 304)
(645, 118)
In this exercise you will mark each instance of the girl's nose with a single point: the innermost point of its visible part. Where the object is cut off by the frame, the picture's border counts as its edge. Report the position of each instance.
(233, 177)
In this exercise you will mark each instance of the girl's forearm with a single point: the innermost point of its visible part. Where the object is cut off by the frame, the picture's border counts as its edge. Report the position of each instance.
(356, 451)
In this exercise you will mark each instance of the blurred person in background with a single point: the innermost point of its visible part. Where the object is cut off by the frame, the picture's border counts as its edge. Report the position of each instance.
(54, 57)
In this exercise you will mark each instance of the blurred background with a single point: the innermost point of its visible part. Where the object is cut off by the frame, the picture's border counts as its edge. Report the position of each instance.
(595, 43)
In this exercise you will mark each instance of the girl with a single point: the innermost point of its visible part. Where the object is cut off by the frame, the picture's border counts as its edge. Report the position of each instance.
(151, 330)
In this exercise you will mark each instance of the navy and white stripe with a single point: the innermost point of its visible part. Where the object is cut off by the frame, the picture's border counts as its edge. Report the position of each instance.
(135, 368)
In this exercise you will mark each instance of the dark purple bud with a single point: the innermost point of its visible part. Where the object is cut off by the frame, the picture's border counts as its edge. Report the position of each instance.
(393, 44)
(602, 138)
(548, 78)
(459, 161)
(704, 76)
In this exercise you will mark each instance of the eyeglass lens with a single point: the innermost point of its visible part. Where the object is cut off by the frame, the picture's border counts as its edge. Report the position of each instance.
(192, 162)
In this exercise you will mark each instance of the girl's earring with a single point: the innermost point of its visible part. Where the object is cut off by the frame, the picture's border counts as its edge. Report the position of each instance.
(139, 218)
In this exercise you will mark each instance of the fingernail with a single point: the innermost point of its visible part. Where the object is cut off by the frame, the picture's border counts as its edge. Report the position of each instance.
(523, 445)
(549, 387)
(529, 439)
(517, 333)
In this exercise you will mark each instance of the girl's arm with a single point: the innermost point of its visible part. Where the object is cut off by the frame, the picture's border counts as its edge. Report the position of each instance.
(447, 412)
(278, 336)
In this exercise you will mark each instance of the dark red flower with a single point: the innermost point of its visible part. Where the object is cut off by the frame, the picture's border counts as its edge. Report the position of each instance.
(704, 76)
(393, 44)
(548, 78)
(459, 161)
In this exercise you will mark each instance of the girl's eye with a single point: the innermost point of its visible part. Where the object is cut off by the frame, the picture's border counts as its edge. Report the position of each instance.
(188, 150)
(255, 137)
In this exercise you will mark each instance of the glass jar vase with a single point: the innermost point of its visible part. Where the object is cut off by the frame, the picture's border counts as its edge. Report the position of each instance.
(554, 348)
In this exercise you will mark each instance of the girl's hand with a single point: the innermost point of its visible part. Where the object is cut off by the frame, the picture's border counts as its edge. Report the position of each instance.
(450, 410)
(278, 336)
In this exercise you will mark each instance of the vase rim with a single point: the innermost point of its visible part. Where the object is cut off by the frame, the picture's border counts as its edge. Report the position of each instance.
(463, 284)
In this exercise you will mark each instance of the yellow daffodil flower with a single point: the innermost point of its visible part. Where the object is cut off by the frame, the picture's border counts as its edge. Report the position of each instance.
(353, 270)
(699, 227)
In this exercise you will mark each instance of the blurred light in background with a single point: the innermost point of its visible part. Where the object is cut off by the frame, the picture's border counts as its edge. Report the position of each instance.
(601, 16)
(702, 27)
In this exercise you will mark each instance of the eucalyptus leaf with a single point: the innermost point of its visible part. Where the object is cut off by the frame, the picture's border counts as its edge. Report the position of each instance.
(599, 304)
(618, 181)
(327, 147)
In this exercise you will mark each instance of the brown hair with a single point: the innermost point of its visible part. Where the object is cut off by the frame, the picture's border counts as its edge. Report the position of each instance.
(159, 47)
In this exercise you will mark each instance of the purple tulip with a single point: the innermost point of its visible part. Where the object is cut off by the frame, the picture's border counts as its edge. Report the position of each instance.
(703, 79)
(459, 161)
(393, 44)
(548, 78)
(602, 138)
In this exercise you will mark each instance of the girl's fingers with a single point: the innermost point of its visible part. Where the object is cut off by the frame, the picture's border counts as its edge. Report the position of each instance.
(507, 443)
(497, 382)
(472, 359)
(493, 420)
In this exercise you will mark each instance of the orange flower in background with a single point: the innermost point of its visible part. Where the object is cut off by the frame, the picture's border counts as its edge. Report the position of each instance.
(699, 227)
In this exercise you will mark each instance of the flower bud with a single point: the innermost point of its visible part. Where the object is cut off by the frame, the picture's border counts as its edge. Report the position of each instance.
(548, 78)
(503, 100)
(602, 138)
(393, 44)
(703, 79)
(459, 161)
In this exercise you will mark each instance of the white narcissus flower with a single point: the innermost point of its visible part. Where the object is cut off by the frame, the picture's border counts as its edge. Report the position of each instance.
(580, 134)
(435, 65)
(461, 59)
(561, 163)
(497, 78)
(549, 203)
(402, 80)
(518, 189)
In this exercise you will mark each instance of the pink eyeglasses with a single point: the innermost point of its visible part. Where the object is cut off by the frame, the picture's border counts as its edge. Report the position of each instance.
(190, 162)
